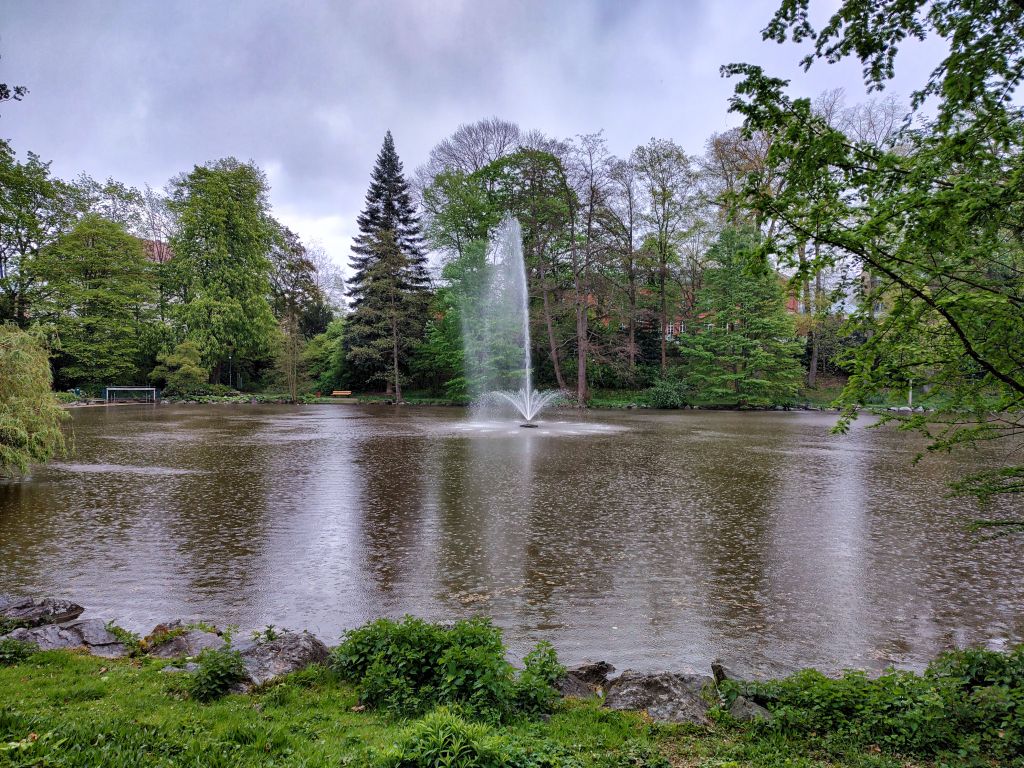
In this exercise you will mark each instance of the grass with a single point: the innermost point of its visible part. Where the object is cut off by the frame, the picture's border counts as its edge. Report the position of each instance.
(66, 709)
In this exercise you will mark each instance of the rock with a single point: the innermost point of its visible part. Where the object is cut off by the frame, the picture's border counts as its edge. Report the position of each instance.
(189, 643)
(746, 711)
(34, 611)
(594, 673)
(90, 635)
(190, 667)
(721, 673)
(572, 687)
(666, 697)
(289, 652)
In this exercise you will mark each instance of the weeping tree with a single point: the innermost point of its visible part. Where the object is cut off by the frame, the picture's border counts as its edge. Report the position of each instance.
(30, 416)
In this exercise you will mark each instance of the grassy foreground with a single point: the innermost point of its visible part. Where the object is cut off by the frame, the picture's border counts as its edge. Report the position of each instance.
(67, 709)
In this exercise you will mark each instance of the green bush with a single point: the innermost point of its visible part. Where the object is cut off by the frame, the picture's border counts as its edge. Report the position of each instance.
(219, 670)
(13, 651)
(669, 393)
(442, 738)
(410, 666)
(966, 703)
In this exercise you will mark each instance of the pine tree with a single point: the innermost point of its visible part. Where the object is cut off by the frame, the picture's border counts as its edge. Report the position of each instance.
(389, 287)
(744, 349)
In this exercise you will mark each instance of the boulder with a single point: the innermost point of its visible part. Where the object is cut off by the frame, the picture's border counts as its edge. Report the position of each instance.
(570, 686)
(746, 711)
(34, 611)
(190, 667)
(721, 673)
(189, 643)
(594, 673)
(289, 652)
(666, 697)
(90, 635)
(584, 681)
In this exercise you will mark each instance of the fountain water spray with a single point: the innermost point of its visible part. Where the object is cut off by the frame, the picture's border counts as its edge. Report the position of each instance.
(496, 330)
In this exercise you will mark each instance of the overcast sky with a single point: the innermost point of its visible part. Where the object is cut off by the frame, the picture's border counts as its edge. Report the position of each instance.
(141, 90)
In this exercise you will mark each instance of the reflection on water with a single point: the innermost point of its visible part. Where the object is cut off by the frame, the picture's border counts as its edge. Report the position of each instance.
(649, 539)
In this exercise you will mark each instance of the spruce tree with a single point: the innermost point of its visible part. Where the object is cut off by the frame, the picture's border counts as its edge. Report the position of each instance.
(389, 287)
(744, 350)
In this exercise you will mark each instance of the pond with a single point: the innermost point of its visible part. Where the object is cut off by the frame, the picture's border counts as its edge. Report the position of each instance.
(650, 539)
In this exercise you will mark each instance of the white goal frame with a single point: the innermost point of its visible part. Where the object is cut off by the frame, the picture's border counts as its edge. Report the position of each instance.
(151, 390)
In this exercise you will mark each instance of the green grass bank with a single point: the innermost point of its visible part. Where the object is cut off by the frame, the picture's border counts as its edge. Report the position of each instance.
(414, 695)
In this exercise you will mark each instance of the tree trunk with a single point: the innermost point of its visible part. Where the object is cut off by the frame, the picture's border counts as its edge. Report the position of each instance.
(552, 344)
(394, 361)
(582, 394)
(664, 317)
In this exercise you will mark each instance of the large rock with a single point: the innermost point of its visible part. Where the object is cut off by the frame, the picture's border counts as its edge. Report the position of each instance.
(594, 673)
(584, 681)
(289, 652)
(90, 635)
(667, 697)
(570, 686)
(192, 642)
(34, 611)
(746, 711)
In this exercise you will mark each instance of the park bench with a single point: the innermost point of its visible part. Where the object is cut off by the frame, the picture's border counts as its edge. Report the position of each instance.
(341, 393)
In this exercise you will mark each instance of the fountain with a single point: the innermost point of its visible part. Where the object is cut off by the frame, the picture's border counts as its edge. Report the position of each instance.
(496, 331)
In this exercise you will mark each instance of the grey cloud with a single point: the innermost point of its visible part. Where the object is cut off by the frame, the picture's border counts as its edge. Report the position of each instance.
(143, 89)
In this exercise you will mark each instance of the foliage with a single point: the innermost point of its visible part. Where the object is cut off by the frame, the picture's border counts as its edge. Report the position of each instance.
(35, 209)
(323, 357)
(389, 287)
(219, 670)
(70, 710)
(928, 211)
(14, 651)
(967, 703)
(98, 286)
(410, 666)
(442, 738)
(742, 348)
(181, 371)
(221, 268)
(135, 644)
(30, 415)
(667, 392)
(387, 316)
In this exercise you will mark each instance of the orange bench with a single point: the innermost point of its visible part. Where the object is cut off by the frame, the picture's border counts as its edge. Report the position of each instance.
(341, 393)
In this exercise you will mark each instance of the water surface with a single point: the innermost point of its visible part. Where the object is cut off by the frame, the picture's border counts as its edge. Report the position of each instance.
(649, 539)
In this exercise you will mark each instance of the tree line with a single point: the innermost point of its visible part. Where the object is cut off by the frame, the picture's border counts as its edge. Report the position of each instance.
(196, 289)
(881, 240)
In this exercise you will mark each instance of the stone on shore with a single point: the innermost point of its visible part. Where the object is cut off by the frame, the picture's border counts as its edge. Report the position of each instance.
(746, 711)
(584, 681)
(35, 611)
(192, 642)
(289, 652)
(666, 697)
(90, 635)
(594, 673)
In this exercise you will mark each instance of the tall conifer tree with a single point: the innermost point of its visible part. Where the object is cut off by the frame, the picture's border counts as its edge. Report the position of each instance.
(389, 287)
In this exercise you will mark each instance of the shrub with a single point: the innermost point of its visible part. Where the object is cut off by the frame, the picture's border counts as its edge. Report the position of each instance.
(219, 670)
(669, 393)
(410, 666)
(442, 738)
(14, 651)
(967, 702)
(535, 688)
